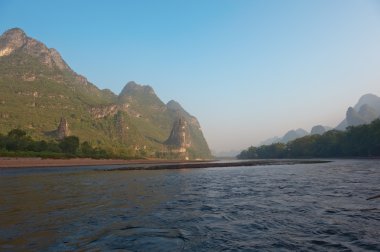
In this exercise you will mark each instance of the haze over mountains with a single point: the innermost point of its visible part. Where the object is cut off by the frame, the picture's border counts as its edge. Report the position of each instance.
(365, 111)
(38, 88)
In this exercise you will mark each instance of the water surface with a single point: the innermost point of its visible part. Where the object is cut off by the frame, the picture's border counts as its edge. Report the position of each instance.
(312, 207)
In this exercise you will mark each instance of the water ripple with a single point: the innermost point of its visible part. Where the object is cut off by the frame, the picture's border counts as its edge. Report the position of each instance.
(315, 207)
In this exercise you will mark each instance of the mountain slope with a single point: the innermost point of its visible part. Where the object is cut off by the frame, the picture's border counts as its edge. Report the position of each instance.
(364, 112)
(38, 88)
(289, 136)
(198, 145)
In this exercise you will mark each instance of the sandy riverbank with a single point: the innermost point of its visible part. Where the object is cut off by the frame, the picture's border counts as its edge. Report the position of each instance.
(40, 162)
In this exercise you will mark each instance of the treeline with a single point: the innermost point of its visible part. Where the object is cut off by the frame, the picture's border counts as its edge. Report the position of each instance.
(18, 143)
(359, 141)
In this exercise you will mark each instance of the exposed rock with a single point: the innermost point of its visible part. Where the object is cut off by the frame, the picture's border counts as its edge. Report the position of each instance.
(81, 79)
(58, 61)
(16, 40)
(176, 108)
(29, 77)
(12, 40)
(63, 129)
(4, 115)
(179, 136)
(103, 111)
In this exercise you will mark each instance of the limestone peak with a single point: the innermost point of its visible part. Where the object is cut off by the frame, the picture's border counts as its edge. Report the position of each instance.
(11, 40)
(14, 34)
(143, 94)
(133, 87)
(174, 105)
(15, 39)
(63, 129)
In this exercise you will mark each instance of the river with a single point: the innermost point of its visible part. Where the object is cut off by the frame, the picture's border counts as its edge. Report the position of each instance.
(308, 207)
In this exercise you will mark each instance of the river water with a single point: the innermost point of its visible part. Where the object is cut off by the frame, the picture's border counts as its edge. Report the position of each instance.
(312, 207)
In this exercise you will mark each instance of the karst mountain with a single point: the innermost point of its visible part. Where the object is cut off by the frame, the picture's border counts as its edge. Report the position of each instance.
(38, 90)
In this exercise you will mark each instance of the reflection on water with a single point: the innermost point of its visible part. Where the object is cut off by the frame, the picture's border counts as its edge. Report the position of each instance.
(300, 207)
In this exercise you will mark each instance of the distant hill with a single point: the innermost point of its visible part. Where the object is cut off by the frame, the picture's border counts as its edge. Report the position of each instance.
(294, 134)
(38, 88)
(289, 136)
(271, 140)
(364, 112)
(319, 130)
(356, 141)
(356, 136)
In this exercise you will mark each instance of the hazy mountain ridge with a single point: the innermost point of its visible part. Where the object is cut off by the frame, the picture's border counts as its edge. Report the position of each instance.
(366, 110)
(37, 88)
(294, 134)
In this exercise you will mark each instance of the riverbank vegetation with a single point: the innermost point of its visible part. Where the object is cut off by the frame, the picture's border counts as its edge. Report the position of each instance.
(18, 144)
(358, 141)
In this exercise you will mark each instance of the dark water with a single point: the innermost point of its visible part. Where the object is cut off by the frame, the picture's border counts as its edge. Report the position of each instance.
(314, 207)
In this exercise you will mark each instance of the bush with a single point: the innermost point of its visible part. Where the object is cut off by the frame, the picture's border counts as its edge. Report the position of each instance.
(69, 144)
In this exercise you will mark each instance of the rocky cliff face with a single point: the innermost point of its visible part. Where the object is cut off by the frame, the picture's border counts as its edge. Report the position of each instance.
(16, 40)
(142, 105)
(30, 60)
(63, 129)
(179, 137)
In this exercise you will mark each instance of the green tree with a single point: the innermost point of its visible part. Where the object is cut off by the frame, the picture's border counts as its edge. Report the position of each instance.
(69, 144)
(53, 146)
(86, 148)
(38, 146)
(17, 140)
(2, 142)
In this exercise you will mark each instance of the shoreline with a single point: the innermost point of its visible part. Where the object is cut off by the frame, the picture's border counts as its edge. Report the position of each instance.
(36, 162)
(141, 164)
(195, 165)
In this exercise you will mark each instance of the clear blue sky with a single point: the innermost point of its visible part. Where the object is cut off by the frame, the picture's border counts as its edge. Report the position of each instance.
(248, 70)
